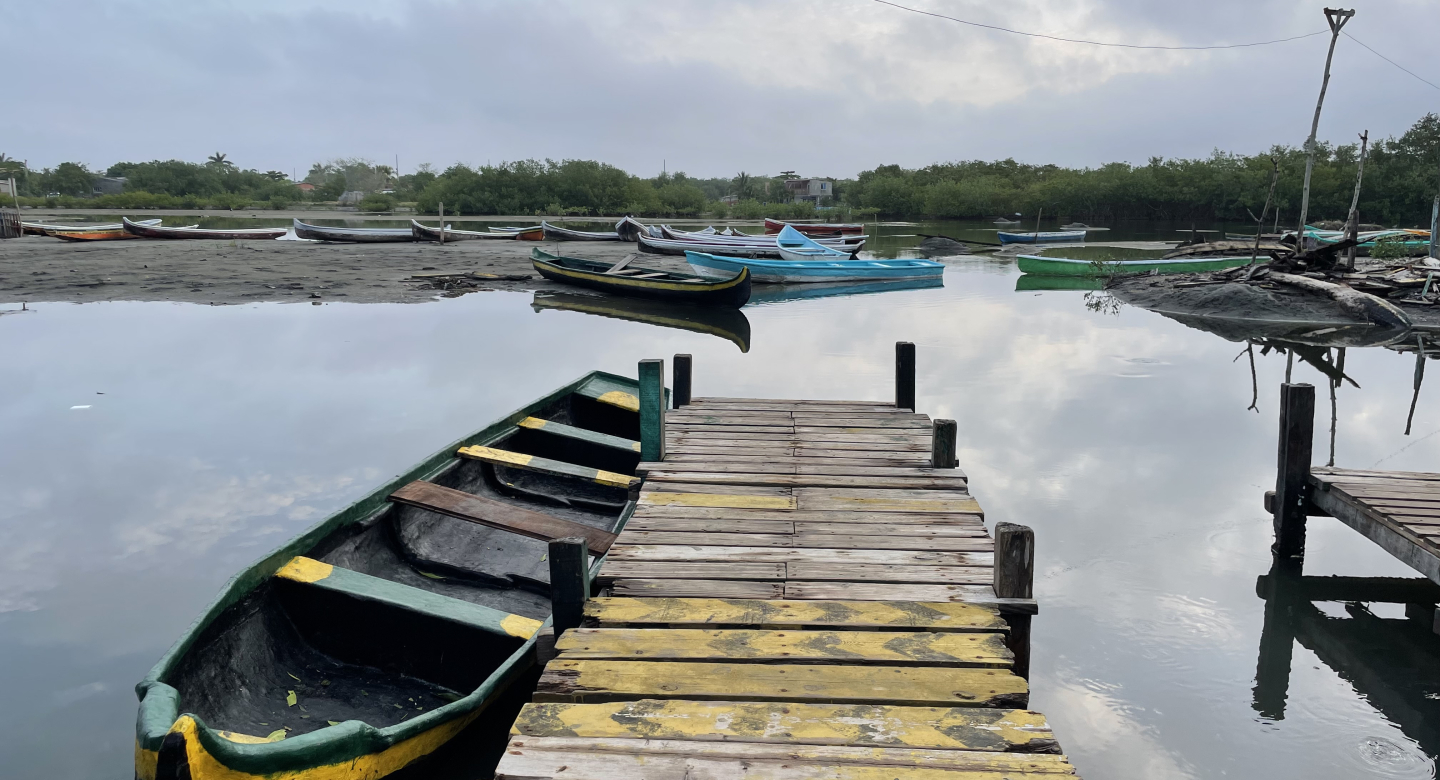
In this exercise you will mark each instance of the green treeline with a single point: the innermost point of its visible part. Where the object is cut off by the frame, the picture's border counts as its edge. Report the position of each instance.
(1401, 178)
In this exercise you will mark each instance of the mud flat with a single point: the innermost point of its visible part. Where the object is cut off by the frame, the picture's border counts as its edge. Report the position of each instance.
(37, 269)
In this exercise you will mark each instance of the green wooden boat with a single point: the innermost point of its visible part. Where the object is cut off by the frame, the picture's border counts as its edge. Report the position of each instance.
(369, 641)
(1063, 266)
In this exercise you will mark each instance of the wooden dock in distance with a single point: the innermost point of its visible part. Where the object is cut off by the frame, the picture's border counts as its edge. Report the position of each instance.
(799, 592)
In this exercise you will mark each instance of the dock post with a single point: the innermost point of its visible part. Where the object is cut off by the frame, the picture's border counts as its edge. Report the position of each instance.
(905, 375)
(942, 445)
(1015, 579)
(680, 385)
(652, 410)
(569, 582)
(1292, 487)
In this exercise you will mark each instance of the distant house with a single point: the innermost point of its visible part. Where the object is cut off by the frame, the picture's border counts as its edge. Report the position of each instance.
(306, 187)
(810, 189)
(730, 200)
(109, 185)
(351, 198)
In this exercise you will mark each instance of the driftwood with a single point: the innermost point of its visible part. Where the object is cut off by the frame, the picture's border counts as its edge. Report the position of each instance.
(1363, 305)
(1228, 248)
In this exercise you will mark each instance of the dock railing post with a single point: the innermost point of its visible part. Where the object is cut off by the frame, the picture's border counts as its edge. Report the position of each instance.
(569, 582)
(905, 375)
(652, 410)
(1015, 579)
(943, 436)
(1292, 486)
(680, 385)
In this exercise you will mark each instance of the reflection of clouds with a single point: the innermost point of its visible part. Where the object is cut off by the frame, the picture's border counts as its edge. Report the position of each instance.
(1104, 724)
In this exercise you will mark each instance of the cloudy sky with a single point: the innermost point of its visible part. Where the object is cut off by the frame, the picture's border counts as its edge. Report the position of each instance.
(825, 87)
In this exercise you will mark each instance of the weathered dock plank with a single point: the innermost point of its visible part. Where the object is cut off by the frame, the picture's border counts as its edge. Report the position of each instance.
(794, 646)
(856, 615)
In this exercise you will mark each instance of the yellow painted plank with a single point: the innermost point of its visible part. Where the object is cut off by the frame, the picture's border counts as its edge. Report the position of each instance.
(651, 498)
(819, 500)
(947, 728)
(893, 648)
(928, 616)
(594, 681)
(621, 399)
(660, 759)
(301, 569)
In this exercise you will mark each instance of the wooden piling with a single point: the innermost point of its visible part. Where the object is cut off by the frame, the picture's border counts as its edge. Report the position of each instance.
(944, 434)
(1015, 578)
(680, 385)
(442, 223)
(652, 410)
(905, 375)
(569, 582)
(1297, 430)
(1352, 222)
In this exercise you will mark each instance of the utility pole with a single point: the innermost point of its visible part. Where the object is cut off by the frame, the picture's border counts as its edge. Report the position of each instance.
(1337, 18)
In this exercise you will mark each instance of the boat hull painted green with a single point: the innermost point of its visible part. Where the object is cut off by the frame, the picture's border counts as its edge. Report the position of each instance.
(1060, 266)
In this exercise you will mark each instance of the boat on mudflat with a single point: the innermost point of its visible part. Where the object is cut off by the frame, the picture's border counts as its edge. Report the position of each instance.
(369, 641)
(531, 233)
(813, 228)
(767, 271)
(839, 242)
(352, 235)
(115, 232)
(427, 233)
(555, 233)
(796, 246)
(1042, 237)
(1064, 266)
(629, 227)
(623, 279)
(158, 231)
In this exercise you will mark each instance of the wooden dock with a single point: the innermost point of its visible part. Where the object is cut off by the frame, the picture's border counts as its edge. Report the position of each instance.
(799, 592)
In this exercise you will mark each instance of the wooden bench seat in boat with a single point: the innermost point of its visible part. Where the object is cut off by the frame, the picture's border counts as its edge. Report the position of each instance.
(496, 514)
(610, 394)
(374, 589)
(580, 434)
(521, 460)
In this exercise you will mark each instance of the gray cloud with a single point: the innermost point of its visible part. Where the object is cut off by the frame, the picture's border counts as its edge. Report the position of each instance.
(834, 87)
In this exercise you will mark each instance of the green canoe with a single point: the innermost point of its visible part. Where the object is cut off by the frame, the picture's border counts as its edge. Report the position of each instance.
(372, 639)
(1063, 266)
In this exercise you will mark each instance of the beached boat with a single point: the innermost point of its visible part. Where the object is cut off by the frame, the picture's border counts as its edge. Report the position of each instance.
(623, 279)
(531, 233)
(812, 228)
(629, 227)
(554, 233)
(370, 640)
(111, 232)
(1063, 266)
(838, 242)
(427, 233)
(671, 246)
(766, 271)
(721, 321)
(796, 246)
(352, 235)
(157, 231)
(1042, 237)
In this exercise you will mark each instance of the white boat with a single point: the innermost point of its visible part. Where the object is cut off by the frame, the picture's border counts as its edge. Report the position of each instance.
(1043, 237)
(768, 271)
(795, 245)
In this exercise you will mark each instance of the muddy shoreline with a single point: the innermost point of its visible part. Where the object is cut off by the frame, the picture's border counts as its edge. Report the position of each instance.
(38, 269)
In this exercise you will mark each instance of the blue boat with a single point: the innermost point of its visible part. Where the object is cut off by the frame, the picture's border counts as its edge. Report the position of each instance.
(795, 245)
(763, 271)
(1045, 237)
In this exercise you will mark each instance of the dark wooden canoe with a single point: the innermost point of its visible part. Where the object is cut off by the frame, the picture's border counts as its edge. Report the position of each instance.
(351, 235)
(643, 282)
(428, 233)
(157, 231)
(555, 233)
(629, 228)
(374, 638)
(812, 229)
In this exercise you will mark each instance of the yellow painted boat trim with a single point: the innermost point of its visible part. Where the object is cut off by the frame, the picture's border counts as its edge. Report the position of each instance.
(621, 399)
(302, 569)
(492, 454)
(652, 498)
(613, 479)
(146, 762)
(533, 423)
(521, 626)
(204, 766)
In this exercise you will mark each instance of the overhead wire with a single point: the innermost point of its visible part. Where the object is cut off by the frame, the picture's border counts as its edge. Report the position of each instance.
(1392, 62)
(1105, 43)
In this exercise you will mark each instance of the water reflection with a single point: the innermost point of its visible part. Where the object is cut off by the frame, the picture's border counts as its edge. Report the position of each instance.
(729, 324)
(1122, 438)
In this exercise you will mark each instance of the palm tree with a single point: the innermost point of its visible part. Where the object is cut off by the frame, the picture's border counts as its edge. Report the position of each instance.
(217, 160)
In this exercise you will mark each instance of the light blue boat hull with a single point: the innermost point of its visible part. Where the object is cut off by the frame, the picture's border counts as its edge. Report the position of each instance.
(1044, 237)
(764, 271)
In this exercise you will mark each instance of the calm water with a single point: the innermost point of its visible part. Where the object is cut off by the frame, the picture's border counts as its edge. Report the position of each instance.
(153, 449)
